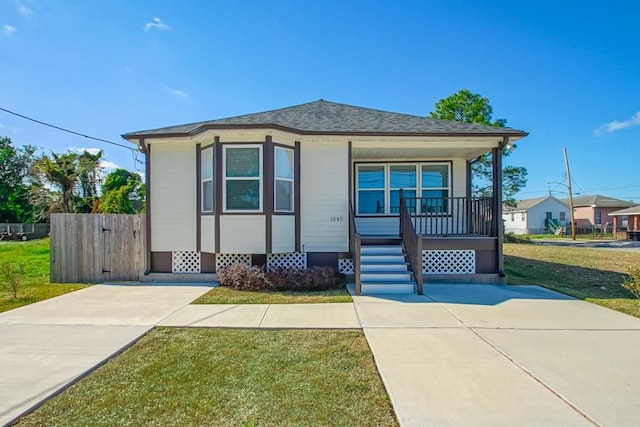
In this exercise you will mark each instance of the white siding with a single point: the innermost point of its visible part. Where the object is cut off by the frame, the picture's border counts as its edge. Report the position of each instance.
(173, 197)
(378, 226)
(324, 196)
(536, 215)
(518, 225)
(283, 233)
(459, 178)
(208, 233)
(242, 234)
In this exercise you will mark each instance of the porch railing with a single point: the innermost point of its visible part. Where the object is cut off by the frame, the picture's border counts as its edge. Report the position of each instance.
(451, 216)
(412, 243)
(355, 243)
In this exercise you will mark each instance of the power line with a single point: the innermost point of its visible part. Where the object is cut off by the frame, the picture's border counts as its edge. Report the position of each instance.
(68, 130)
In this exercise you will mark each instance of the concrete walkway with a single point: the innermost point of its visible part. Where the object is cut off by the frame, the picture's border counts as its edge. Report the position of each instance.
(460, 355)
(47, 345)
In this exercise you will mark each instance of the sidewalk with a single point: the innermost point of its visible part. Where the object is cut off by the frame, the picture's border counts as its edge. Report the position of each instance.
(460, 355)
(50, 344)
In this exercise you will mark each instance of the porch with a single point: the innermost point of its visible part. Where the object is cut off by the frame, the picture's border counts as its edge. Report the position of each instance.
(448, 239)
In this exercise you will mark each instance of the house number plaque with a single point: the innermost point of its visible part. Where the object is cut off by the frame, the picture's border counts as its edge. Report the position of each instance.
(336, 219)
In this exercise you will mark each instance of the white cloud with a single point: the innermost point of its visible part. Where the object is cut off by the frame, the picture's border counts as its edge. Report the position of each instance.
(156, 23)
(106, 164)
(23, 9)
(8, 29)
(617, 125)
(176, 92)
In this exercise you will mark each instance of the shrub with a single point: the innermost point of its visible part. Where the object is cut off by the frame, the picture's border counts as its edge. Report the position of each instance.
(242, 277)
(245, 278)
(632, 282)
(311, 279)
(11, 275)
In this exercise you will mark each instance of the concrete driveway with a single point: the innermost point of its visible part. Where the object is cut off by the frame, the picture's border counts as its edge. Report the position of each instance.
(47, 345)
(504, 356)
(462, 355)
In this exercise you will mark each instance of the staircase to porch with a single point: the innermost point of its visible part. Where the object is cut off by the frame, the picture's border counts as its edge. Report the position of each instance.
(384, 269)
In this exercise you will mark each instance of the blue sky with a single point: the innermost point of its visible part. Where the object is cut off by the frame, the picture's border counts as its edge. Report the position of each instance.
(566, 72)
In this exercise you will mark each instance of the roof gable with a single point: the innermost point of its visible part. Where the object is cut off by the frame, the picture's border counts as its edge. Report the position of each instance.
(526, 204)
(324, 117)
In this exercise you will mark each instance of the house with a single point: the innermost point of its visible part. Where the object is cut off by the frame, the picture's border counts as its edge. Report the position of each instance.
(626, 223)
(536, 216)
(324, 183)
(591, 213)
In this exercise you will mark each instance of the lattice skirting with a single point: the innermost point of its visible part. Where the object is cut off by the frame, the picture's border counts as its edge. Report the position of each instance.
(285, 260)
(224, 260)
(185, 262)
(449, 261)
(345, 266)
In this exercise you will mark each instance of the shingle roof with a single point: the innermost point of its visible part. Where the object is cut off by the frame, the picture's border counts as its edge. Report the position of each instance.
(526, 204)
(324, 117)
(634, 210)
(599, 201)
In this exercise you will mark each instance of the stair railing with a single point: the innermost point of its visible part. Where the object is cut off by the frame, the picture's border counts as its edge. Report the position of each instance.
(355, 243)
(412, 242)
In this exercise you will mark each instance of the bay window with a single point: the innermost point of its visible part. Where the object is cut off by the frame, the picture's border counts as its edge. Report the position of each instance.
(378, 187)
(242, 178)
(283, 180)
(206, 176)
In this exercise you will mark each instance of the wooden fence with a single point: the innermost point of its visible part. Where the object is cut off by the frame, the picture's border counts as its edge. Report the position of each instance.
(97, 248)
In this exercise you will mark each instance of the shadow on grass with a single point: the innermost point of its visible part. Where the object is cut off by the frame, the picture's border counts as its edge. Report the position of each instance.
(579, 282)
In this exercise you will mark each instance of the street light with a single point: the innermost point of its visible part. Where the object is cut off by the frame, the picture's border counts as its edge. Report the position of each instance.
(573, 222)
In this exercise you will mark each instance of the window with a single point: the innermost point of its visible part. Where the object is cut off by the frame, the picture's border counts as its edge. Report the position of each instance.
(243, 178)
(378, 187)
(283, 185)
(371, 189)
(401, 177)
(524, 216)
(435, 187)
(206, 177)
(598, 217)
(512, 217)
(562, 216)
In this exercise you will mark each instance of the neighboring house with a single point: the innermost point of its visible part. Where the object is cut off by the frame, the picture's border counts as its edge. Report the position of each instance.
(592, 212)
(536, 216)
(626, 223)
(319, 184)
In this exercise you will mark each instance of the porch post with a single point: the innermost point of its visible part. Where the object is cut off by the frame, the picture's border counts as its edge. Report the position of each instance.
(496, 156)
(468, 202)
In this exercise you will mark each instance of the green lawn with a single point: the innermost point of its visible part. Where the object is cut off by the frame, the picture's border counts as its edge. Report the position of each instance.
(34, 255)
(222, 295)
(226, 377)
(593, 275)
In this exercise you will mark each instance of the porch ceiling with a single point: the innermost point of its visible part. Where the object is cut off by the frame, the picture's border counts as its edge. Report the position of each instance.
(416, 153)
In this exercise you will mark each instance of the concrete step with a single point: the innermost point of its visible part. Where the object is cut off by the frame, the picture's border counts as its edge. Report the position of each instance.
(381, 250)
(369, 288)
(398, 266)
(383, 276)
(382, 259)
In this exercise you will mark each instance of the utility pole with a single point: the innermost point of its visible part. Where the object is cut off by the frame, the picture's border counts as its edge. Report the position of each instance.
(573, 222)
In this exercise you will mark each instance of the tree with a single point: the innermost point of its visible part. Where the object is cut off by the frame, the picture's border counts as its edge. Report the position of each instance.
(466, 107)
(14, 171)
(122, 192)
(76, 176)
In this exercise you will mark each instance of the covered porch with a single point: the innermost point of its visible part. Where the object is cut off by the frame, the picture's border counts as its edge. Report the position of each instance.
(425, 207)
